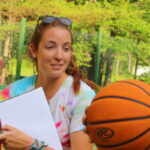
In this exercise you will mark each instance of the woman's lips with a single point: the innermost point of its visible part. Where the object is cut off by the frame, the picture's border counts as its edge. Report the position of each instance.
(56, 66)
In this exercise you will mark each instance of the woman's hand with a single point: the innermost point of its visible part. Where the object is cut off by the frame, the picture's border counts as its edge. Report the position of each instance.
(14, 139)
(84, 120)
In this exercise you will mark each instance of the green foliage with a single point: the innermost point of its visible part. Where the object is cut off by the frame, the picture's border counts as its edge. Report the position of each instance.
(124, 24)
(144, 77)
(83, 48)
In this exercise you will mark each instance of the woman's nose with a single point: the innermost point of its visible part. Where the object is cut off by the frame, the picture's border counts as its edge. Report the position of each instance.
(59, 54)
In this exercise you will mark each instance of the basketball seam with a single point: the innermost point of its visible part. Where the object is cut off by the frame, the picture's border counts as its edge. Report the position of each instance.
(117, 120)
(148, 93)
(126, 142)
(125, 98)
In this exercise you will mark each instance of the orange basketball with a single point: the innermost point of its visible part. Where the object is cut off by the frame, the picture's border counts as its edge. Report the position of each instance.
(119, 116)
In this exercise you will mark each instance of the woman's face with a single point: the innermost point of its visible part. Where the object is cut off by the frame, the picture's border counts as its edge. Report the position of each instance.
(54, 52)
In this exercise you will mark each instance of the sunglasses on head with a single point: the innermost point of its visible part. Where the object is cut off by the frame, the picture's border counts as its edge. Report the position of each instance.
(51, 19)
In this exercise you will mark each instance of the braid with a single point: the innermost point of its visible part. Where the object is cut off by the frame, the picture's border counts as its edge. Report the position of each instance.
(73, 70)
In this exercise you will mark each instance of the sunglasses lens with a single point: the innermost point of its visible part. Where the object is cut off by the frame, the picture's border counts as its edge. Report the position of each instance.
(65, 21)
(51, 19)
(48, 19)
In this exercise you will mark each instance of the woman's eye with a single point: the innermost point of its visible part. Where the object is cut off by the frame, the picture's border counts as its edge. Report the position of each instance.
(67, 48)
(50, 47)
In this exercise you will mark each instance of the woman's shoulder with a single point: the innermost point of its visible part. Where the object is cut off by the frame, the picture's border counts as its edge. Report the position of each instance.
(83, 86)
(86, 90)
(86, 87)
(26, 81)
(18, 87)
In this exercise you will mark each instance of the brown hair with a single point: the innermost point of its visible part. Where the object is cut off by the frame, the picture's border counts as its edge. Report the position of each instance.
(72, 68)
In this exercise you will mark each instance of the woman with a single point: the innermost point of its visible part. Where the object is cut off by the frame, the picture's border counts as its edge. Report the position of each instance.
(66, 91)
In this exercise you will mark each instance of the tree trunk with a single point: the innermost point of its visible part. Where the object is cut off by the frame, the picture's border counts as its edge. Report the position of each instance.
(1, 42)
(117, 66)
(137, 61)
(136, 67)
(5, 59)
(6, 54)
(129, 62)
(101, 73)
(109, 66)
(92, 68)
(1, 61)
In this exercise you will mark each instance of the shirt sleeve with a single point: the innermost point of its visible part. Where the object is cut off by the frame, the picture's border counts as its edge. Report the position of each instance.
(84, 99)
(17, 87)
(5, 93)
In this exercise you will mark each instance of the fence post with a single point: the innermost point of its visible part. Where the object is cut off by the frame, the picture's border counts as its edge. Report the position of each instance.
(97, 58)
(20, 48)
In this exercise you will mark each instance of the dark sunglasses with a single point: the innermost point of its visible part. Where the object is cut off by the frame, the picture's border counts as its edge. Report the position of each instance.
(51, 19)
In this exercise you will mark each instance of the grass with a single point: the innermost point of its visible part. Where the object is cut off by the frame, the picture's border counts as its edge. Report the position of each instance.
(27, 67)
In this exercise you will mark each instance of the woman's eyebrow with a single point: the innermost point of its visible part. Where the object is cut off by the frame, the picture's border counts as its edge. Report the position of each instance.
(53, 42)
(67, 43)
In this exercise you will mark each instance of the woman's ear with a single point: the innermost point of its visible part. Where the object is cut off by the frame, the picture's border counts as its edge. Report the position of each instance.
(33, 50)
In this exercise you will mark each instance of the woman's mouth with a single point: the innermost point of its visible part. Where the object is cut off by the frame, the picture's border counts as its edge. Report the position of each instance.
(57, 66)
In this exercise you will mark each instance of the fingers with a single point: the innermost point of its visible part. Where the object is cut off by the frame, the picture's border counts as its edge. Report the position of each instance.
(85, 131)
(6, 145)
(84, 120)
(86, 109)
(3, 136)
(8, 127)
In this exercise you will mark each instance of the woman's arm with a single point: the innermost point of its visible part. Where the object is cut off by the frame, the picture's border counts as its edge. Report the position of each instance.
(80, 141)
(13, 138)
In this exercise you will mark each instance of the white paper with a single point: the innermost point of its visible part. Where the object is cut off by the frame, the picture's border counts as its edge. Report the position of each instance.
(31, 114)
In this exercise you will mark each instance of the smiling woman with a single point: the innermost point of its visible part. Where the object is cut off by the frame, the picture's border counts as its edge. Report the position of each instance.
(53, 53)
(68, 93)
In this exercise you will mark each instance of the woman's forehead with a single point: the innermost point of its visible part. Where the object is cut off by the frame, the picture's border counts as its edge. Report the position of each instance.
(54, 33)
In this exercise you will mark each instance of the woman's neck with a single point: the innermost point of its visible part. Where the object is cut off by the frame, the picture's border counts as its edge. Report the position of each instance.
(50, 85)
